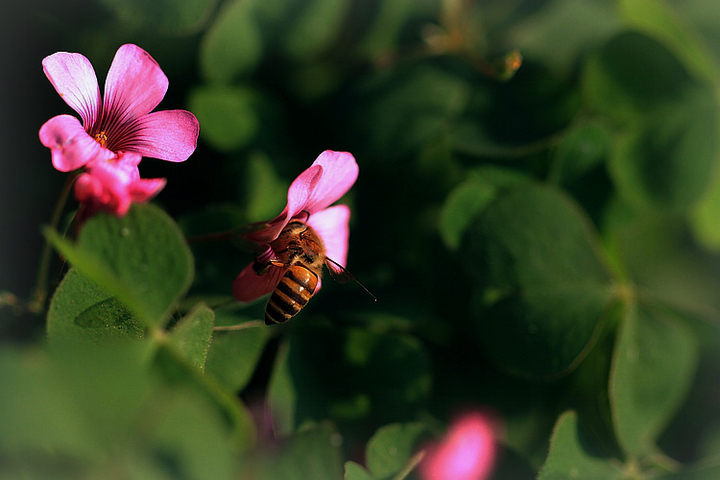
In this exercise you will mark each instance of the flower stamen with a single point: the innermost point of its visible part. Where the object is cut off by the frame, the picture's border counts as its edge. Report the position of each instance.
(101, 138)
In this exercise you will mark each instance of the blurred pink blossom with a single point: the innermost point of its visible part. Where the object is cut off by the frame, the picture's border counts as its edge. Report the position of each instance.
(309, 198)
(121, 122)
(467, 452)
(112, 185)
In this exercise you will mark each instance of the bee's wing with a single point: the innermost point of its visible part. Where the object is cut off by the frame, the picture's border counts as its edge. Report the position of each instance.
(342, 275)
(338, 272)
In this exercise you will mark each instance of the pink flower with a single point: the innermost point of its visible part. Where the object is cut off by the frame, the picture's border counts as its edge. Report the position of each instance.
(309, 198)
(467, 452)
(112, 185)
(135, 85)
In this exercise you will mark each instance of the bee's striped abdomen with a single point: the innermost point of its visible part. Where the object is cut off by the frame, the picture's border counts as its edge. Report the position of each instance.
(291, 294)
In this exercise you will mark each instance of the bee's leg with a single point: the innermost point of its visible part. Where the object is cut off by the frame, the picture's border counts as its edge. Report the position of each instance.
(263, 261)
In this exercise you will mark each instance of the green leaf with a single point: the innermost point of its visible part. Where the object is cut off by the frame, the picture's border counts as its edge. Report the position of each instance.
(703, 217)
(707, 471)
(192, 334)
(653, 366)
(581, 150)
(657, 19)
(169, 17)
(404, 110)
(573, 456)
(667, 164)
(353, 471)
(191, 434)
(178, 371)
(35, 409)
(544, 287)
(141, 259)
(234, 354)
(559, 32)
(312, 453)
(227, 114)
(315, 27)
(666, 153)
(469, 199)
(233, 46)
(633, 75)
(266, 191)
(384, 34)
(349, 376)
(389, 450)
(461, 207)
(282, 393)
(80, 309)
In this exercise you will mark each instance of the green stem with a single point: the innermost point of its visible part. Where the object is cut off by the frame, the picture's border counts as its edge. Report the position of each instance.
(241, 326)
(37, 304)
(410, 465)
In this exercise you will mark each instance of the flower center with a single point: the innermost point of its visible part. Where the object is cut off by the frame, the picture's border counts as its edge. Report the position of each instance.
(101, 138)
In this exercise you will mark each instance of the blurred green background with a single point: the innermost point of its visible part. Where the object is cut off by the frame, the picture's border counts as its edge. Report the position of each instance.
(537, 212)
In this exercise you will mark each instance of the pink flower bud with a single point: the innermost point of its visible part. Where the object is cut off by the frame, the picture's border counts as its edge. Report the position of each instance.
(467, 452)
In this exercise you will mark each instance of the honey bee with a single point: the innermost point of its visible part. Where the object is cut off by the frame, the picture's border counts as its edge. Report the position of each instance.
(301, 251)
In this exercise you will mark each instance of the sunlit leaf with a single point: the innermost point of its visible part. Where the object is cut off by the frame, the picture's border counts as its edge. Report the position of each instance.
(572, 455)
(389, 450)
(234, 354)
(192, 334)
(353, 471)
(653, 367)
(141, 259)
(80, 309)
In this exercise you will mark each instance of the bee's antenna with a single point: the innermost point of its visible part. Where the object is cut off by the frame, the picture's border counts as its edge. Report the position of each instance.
(345, 275)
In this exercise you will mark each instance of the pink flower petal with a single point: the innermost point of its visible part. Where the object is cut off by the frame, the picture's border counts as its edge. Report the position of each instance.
(144, 189)
(113, 185)
(135, 84)
(168, 135)
(301, 190)
(87, 188)
(71, 146)
(333, 226)
(340, 170)
(248, 285)
(74, 79)
(298, 194)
